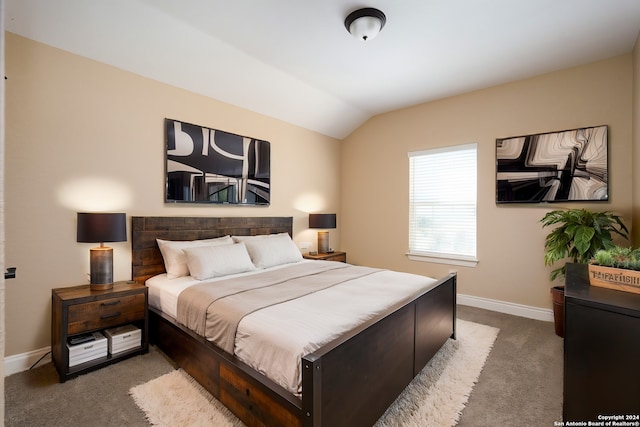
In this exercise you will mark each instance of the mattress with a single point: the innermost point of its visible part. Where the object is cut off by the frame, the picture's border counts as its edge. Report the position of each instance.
(274, 339)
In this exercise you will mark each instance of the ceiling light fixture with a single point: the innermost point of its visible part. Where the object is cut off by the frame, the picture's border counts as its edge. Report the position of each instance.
(365, 24)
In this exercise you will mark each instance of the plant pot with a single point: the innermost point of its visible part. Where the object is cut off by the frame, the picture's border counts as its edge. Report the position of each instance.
(557, 293)
(614, 278)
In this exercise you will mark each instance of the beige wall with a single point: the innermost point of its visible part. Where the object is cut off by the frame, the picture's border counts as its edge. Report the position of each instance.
(83, 136)
(74, 124)
(2, 226)
(636, 143)
(510, 240)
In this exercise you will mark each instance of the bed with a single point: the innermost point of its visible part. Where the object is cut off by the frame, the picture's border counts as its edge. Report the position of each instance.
(349, 381)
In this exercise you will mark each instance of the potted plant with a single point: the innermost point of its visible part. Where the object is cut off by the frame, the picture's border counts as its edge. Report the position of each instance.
(616, 268)
(578, 235)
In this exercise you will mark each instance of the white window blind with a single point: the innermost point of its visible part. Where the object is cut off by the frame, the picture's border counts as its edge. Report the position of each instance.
(442, 204)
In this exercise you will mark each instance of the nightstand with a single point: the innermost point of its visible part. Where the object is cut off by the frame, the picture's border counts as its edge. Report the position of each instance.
(335, 256)
(78, 311)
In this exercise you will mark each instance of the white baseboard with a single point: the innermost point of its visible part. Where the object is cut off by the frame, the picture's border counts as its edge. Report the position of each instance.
(22, 362)
(507, 307)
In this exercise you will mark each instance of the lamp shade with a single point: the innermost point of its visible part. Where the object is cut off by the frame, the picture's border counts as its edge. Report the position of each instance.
(322, 221)
(102, 227)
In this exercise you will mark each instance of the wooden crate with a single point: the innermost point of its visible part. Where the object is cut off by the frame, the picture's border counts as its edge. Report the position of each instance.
(614, 278)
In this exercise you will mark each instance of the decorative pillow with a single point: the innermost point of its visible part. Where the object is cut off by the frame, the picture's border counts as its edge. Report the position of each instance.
(271, 250)
(206, 262)
(175, 261)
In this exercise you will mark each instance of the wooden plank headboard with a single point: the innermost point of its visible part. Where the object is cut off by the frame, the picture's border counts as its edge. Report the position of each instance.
(146, 259)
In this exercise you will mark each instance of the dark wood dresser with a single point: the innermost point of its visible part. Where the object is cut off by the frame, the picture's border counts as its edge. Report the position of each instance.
(601, 351)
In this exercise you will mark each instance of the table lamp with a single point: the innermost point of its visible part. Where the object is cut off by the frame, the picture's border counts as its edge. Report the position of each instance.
(100, 228)
(324, 221)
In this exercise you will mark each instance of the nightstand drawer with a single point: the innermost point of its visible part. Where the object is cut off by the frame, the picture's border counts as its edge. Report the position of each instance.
(333, 256)
(340, 257)
(105, 313)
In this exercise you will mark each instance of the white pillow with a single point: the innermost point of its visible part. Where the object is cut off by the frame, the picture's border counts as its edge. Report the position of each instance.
(206, 262)
(271, 250)
(175, 261)
(239, 239)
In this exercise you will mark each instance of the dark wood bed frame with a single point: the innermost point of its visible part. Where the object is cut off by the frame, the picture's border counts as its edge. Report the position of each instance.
(350, 381)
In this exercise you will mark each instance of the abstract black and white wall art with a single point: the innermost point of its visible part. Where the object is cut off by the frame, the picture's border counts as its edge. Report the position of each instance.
(211, 166)
(553, 167)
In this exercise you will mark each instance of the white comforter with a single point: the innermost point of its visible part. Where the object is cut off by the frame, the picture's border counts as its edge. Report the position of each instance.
(274, 339)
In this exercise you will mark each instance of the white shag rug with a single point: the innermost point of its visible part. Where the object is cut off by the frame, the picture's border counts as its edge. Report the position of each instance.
(435, 397)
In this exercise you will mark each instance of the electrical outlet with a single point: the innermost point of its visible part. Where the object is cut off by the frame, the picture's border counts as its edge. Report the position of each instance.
(10, 273)
(304, 246)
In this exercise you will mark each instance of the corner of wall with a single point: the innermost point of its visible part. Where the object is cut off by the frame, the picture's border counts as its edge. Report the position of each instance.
(635, 135)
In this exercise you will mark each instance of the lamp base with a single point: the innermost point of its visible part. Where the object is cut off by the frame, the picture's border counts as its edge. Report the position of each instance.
(101, 268)
(323, 242)
(104, 287)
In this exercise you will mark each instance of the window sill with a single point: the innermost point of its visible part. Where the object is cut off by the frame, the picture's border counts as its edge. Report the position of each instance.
(443, 259)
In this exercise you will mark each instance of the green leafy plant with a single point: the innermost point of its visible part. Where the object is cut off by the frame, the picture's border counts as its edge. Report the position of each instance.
(618, 257)
(579, 234)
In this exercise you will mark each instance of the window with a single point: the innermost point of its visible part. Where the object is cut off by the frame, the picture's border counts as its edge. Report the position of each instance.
(442, 205)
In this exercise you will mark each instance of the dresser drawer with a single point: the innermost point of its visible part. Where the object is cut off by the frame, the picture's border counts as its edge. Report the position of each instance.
(105, 313)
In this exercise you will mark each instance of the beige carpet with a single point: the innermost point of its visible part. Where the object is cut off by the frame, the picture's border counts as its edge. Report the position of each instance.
(436, 397)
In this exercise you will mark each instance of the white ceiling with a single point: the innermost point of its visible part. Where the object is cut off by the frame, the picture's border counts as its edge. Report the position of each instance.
(294, 60)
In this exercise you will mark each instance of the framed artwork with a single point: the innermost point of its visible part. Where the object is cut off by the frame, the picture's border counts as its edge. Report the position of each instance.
(206, 165)
(571, 165)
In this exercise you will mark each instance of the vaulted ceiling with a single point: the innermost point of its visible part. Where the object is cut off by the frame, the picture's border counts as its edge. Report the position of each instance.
(295, 61)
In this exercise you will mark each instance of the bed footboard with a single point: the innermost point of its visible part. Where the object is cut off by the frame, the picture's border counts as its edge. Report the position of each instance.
(354, 379)
(252, 397)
